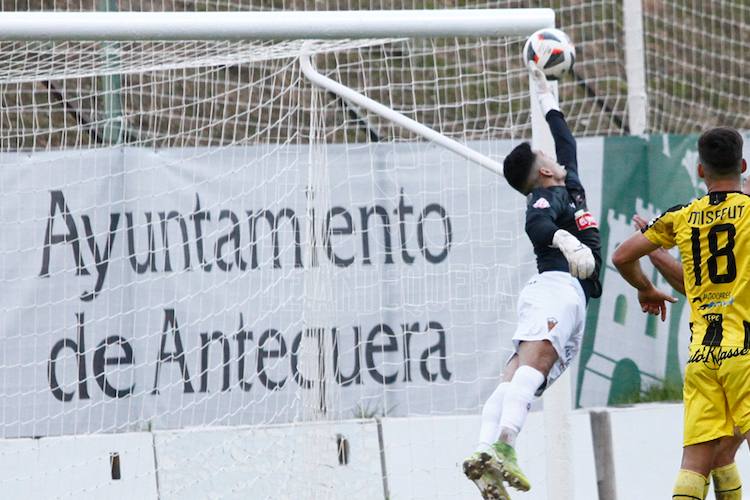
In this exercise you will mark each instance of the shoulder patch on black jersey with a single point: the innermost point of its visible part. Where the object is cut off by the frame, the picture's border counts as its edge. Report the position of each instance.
(541, 202)
(537, 194)
(585, 220)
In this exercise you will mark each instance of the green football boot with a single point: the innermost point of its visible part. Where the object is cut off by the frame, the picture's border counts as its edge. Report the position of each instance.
(508, 465)
(482, 469)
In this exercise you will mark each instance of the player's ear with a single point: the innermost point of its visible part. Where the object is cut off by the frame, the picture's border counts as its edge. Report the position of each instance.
(744, 166)
(546, 171)
(701, 172)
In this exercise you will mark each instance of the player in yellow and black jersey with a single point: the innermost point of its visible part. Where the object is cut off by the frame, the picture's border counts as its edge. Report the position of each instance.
(713, 235)
(724, 473)
(706, 232)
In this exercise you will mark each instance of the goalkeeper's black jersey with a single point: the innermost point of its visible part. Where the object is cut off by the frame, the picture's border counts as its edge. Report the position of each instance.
(563, 207)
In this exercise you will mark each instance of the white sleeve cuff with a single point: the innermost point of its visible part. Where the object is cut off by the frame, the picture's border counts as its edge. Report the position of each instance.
(548, 102)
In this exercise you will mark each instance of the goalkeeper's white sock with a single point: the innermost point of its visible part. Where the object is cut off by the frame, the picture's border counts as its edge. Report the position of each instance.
(517, 402)
(491, 412)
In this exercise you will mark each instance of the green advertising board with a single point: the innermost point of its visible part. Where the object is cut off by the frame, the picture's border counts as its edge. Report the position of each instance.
(626, 355)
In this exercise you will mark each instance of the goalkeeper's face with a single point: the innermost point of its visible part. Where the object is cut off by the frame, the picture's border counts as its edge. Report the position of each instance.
(548, 167)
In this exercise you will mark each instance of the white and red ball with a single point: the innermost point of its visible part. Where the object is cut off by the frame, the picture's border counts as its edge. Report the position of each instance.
(552, 51)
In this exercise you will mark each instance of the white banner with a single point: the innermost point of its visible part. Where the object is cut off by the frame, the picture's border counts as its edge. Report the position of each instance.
(182, 287)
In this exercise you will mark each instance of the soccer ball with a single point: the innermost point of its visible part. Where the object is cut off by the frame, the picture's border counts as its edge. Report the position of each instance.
(552, 51)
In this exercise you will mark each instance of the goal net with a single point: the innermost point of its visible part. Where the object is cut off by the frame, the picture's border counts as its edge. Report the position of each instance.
(197, 238)
(695, 65)
(220, 281)
(246, 280)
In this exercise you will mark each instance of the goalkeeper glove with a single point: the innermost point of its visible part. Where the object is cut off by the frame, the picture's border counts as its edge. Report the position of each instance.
(547, 98)
(580, 259)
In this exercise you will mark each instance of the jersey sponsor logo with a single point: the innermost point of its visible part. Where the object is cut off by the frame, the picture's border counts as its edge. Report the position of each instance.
(584, 220)
(714, 356)
(711, 295)
(714, 329)
(541, 203)
(716, 303)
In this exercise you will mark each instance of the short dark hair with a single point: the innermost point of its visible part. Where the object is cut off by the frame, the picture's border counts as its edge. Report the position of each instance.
(518, 165)
(720, 150)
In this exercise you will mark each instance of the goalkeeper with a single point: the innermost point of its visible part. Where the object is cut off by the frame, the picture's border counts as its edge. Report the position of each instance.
(551, 306)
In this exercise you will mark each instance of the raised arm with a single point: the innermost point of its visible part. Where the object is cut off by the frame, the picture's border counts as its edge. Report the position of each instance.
(565, 143)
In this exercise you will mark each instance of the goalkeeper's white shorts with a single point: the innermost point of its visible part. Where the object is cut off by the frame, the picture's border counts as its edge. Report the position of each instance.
(552, 306)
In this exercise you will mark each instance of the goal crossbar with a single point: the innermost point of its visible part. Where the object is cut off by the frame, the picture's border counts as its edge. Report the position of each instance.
(143, 26)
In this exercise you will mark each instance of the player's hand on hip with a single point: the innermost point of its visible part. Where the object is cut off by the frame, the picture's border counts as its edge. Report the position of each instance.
(580, 259)
(654, 301)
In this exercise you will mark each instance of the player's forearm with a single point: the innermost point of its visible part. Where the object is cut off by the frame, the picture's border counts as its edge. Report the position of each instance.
(626, 259)
(632, 272)
(670, 268)
(565, 143)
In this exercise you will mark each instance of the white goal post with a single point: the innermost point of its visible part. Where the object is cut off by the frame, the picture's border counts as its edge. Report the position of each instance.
(141, 26)
(324, 25)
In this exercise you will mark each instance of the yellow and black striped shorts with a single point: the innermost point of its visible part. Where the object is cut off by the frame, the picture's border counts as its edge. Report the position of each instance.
(716, 392)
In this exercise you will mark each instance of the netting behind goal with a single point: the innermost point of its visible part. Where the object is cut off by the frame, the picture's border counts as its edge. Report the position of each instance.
(695, 55)
(195, 237)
